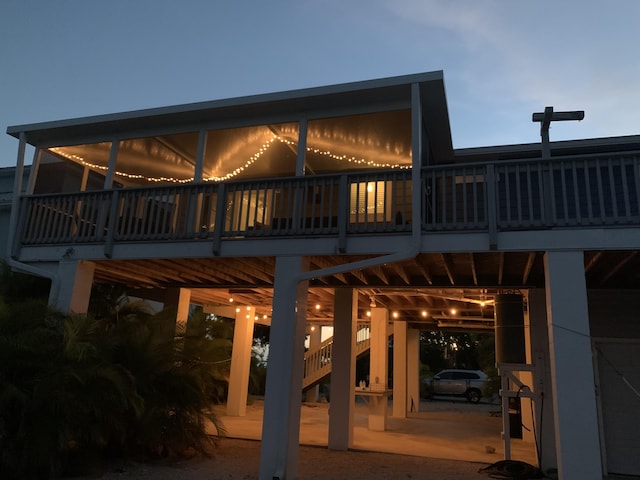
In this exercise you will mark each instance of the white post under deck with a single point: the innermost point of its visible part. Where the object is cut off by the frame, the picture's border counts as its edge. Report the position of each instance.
(574, 401)
(343, 372)
(413, 370)
(76, 279)
(281, 421)
(179, 299)
(378, 369)
(400, 369)
(240, 362)
(315, 339)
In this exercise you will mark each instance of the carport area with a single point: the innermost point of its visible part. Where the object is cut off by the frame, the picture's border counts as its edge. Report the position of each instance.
(447, 429)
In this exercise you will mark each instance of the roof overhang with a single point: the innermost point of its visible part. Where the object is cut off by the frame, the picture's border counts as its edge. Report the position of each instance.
(357, 97)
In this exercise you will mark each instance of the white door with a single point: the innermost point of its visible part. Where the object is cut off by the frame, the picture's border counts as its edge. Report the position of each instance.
(618, 364)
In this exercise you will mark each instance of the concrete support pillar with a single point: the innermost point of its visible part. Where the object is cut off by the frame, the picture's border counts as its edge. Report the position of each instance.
(76, 279)
(343, 371)
(378, 368)
(179, 299)
(576, 421)
(240, 362)
(315, 338)
(545, 429)
(413, 370)
(400, 369)
(281, 421)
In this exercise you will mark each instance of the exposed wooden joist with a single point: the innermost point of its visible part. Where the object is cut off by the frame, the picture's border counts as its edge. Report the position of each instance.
(527, 268)
(402, 273)
(616, 268)
(592, 261)
(449, 267)
(474, 271)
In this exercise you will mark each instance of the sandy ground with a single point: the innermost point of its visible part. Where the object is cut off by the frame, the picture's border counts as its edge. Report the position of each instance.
(239, 460)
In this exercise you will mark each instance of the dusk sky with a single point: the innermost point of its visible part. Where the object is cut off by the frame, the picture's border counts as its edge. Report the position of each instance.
(502, 60)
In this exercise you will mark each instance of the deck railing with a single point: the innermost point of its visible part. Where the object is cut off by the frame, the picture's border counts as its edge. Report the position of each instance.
(500, 196)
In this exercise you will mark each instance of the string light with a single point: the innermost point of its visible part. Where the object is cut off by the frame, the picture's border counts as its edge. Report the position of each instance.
(252, 159)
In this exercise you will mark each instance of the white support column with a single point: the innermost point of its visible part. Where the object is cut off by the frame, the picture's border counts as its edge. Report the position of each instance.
(343, 371)
(180, 300)
(281, 421)
(574, 401)
(378, 368)
(400, 369)
(76, 279)
(413, 370)
(315, 339)
(240, 362)
(545, 429)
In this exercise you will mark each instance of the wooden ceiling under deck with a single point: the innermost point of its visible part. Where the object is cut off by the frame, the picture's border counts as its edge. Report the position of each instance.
(434, 283)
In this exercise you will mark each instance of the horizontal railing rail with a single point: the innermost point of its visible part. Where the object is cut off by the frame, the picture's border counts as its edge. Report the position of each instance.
(595, 190)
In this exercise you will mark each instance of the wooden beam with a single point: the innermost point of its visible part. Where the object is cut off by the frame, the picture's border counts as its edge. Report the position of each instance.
(527, 268)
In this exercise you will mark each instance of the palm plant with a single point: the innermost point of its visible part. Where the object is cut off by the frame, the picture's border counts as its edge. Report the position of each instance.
(75, 388)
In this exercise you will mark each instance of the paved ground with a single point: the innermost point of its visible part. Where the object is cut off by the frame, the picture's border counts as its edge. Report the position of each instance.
(446, 440)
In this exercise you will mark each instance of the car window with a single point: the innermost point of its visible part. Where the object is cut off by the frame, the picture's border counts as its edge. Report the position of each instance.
(445, 375)
(466, 376)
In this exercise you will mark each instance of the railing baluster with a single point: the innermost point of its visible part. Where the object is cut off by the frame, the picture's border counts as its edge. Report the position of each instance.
(507, 195)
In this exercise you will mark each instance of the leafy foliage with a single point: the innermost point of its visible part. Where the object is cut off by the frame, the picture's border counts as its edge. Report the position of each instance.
(78, 389)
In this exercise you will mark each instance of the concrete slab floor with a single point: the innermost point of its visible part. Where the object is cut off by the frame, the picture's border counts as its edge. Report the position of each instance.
(452, 430)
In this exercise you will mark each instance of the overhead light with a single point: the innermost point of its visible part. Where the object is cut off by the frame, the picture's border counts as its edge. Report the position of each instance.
(424, 313)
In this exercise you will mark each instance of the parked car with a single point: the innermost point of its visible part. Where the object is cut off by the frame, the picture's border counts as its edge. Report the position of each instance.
(459, 383)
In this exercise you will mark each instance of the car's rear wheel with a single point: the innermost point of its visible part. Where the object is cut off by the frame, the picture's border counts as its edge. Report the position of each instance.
(474, 395)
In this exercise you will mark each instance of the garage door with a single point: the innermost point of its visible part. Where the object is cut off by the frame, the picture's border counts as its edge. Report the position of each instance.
(618, 364)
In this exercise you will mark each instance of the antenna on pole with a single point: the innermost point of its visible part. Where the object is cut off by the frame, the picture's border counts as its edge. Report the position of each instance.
(545, 118)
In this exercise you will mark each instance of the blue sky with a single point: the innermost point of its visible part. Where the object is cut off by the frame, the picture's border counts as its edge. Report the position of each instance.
(502, 60)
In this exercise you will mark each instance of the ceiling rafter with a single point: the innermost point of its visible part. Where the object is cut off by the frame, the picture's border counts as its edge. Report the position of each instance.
(618, 266)
(449, 267)
(593, 260)
(474, 271)
(402, 273)
(424, 268)
(527, 268)
(322, 262)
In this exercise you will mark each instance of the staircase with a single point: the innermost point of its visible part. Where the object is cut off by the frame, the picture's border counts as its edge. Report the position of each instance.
(317, 362)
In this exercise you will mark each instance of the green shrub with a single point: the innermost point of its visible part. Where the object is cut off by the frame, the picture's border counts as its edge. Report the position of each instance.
(75, 390)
